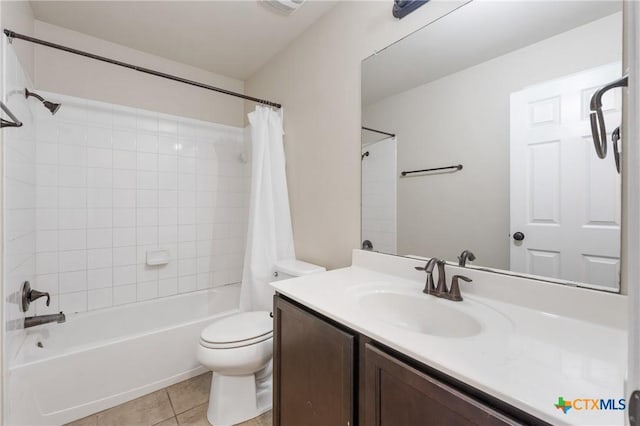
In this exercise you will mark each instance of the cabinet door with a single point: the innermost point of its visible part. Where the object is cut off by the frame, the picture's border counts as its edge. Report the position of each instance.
(399, 395)
(313, 370)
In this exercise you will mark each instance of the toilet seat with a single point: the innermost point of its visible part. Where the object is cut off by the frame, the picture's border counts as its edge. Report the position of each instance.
(238, 330)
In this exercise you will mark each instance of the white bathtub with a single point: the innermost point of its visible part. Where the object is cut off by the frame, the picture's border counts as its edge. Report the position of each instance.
(101, 359)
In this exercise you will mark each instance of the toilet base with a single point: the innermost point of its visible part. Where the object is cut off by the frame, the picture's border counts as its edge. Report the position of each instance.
(236, 399)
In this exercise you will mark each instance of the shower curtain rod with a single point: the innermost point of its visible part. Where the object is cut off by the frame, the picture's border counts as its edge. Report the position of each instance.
(11, 35)
(379, 131)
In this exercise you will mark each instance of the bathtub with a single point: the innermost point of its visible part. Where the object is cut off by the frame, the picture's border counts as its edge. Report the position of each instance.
(100, 359)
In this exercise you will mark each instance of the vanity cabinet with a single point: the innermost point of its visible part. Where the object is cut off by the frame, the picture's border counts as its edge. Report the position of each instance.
(396, 394)
(327, 375)
(313, 370)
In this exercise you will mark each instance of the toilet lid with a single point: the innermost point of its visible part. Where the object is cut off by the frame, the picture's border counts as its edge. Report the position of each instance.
(239, 328)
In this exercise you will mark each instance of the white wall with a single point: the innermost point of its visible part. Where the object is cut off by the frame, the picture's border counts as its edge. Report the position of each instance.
(19, 152)
(18, 16)
(73, 75)
(113, 182)
(317, 78)
(379, 208)
(464, 118)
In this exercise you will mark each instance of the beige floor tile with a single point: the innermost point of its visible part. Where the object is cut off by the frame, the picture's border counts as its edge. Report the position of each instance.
(266, 419)
(190, 393)
(145, 411)
(169, 422)
(87, 421)
(197, 416)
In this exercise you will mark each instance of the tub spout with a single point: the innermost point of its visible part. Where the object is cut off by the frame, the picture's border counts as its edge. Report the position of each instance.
(44, 319)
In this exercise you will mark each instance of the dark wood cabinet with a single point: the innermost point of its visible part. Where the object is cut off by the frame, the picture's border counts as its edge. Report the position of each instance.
(327, 375)
(313, 370)
(397, 394)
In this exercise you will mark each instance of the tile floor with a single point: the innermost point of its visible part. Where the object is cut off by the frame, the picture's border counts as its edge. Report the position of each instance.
(183, 404)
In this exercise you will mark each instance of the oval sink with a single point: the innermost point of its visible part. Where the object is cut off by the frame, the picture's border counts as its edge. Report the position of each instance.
(423, 314)
(404, 306)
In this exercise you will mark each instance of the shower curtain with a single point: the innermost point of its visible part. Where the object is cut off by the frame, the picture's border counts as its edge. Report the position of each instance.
(269, 237)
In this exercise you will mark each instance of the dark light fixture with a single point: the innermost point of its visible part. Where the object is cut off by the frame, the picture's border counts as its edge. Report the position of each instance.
(51, 106)
(402, 8)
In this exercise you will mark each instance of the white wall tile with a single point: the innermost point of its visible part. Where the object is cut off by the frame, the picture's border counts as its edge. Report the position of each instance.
(124, 179)
(73, 302)
(147, 235)
(99, 218)
(71, 261)
(72, 198)
(147, 142)
(124, 256)
(187, 284)
(72, 155)
(167, 287)
(99, 178)
(99, 258)
(99, 238)
(46, 241)
(107, 183)
(124, 140)
(72, 218)
(46, 263)
(100, 198)
(147, 161)
(147, 290)
(99, 298)
(146, 273)
(100, 278)
(124, 198)
(72, 239)
(99, 157)
(124, 218)
(99, 137)
(124, 160)
(124, 294)
(124, 275)
(71, 282)
(47, 283)
(147, 217)
(123, 237)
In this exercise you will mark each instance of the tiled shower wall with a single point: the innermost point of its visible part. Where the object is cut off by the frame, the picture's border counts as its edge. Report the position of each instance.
(114, 182)
(379, 205)
(19, 152)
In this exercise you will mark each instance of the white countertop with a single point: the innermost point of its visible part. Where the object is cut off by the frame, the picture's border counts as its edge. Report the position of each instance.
(527, 360)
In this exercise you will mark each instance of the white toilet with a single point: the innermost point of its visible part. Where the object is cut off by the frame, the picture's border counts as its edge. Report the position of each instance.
(238, 349)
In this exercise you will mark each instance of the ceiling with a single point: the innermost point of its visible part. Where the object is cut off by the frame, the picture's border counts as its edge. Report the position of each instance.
(232, 38)
(479, 31)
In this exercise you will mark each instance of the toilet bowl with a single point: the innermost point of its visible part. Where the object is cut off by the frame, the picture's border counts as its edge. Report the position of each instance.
(238, 349)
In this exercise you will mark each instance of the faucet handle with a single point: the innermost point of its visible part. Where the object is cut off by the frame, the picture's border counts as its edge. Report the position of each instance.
(454, 292)
(29, 295)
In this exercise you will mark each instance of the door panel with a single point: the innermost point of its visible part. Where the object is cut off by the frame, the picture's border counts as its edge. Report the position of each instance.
(564, 199)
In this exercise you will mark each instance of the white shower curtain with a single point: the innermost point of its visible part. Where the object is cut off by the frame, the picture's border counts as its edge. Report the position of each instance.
(269, 237)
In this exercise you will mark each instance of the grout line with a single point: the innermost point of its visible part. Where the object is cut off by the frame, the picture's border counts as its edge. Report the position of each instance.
(173, 410)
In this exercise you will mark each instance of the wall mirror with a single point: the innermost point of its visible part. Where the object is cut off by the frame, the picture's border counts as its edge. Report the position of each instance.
(501, 89)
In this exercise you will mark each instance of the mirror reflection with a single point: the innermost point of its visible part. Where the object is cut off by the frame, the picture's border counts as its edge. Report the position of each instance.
(473, 140)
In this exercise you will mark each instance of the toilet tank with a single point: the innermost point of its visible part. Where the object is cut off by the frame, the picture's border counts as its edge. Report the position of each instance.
(292, 268)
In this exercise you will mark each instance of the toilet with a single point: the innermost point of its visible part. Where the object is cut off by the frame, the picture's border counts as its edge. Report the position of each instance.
(238, 349)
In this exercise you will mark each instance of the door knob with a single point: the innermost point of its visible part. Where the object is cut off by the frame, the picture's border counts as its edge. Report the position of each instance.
(518, 236)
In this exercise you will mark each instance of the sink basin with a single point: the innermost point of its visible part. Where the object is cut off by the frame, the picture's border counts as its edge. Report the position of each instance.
(423, 314)
(404, 306)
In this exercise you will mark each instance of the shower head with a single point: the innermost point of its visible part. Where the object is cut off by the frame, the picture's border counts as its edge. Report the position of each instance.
(366, 154)
(51, 106)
